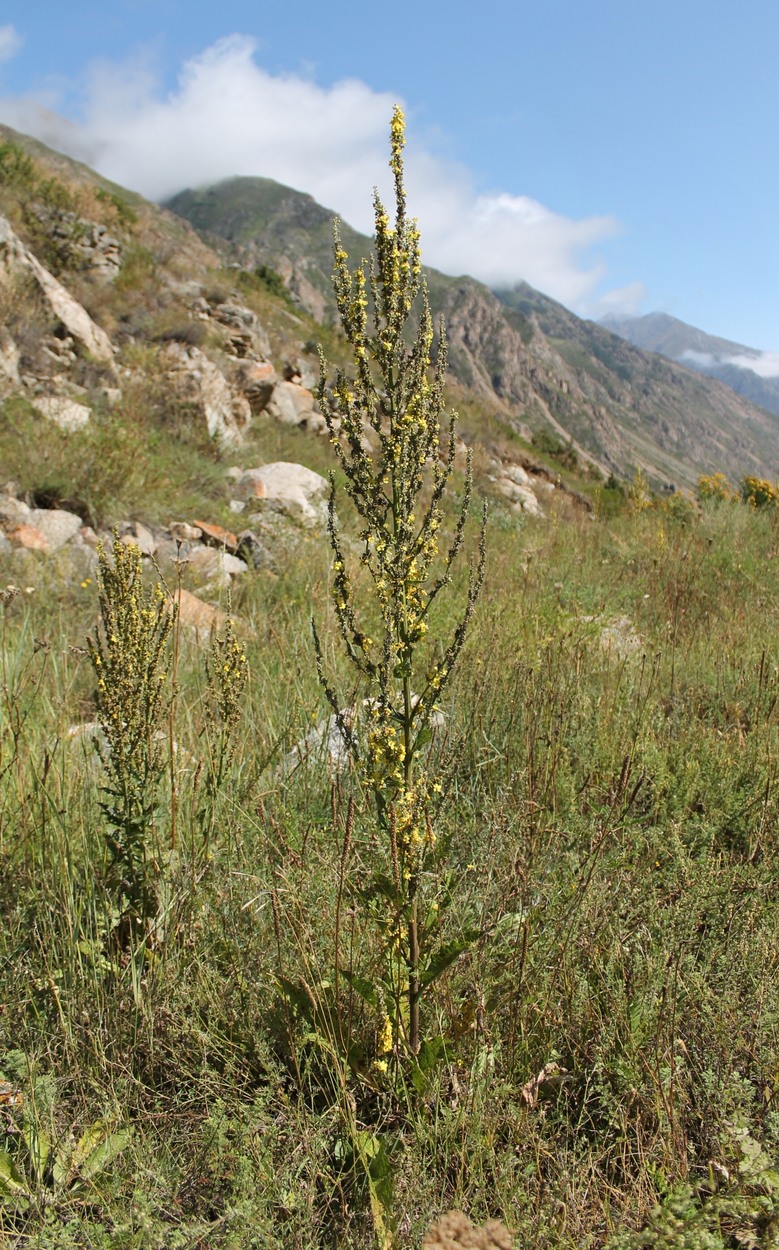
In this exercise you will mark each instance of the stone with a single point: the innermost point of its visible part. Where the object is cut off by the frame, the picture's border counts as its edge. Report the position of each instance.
(521, 497)
(289, 488)
(256, 380)
(619, 639)
(16, 259)
(217, 536)
(200, 383)
(326, 744)
(64, 412)
(29, 537)
(245, 334)
(142, 538)
(181, 532)
(454, 1231)
(292, 404)
(206, 563)
(253, 551)
(197, 615)
(515, 473)
(56, 525)
(13, 512)
(9, 360)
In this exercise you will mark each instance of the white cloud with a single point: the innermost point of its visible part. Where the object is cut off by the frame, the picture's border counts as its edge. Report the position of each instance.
(700, 360)
(10, 43)
(228, 116)
(765, 365)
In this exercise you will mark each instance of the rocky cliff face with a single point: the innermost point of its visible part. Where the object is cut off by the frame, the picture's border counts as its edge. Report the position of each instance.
(543, 366)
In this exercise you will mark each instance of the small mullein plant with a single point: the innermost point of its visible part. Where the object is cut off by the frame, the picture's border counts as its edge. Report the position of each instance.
(131, 662)
(385, 424)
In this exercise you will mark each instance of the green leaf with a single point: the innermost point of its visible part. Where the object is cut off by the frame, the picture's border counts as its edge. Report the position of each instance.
(97, 1148)
(12, 1182)
(361, 986)
(296, 996)
(431, 1052)
(39, 1148)
(446, 955)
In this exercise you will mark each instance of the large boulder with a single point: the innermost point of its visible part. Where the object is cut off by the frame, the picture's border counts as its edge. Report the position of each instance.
(256, 380)
(201, 384)
(246, 336)
(64, 412)
(292, 404)
(17, 260)
(37, 529)
(289, 489)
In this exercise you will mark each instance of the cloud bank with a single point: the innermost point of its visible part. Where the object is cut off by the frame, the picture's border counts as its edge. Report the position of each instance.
(764, 364)
(228, 116)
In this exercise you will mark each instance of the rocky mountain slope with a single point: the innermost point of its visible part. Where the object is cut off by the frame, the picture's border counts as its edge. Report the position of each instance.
(542, 365)
(199, 321)
(731, 363)
(146, 387)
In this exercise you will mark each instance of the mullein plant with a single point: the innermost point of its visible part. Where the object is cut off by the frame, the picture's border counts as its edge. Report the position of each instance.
(385, 423)
(130, 656)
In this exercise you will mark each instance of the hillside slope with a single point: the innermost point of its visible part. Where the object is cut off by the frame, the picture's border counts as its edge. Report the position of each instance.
(544, 366)
(715, 357)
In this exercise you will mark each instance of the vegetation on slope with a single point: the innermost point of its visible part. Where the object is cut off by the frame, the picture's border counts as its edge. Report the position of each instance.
(600, 1059)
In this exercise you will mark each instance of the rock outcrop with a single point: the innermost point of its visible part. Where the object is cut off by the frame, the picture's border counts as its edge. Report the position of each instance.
(200, 383)
(16, 261)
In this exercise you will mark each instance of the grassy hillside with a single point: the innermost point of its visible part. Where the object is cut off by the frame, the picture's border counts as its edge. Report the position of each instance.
(213, 1064)
(611, 815)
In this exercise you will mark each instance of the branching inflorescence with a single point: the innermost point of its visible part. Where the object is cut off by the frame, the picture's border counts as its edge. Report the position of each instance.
(385, 423)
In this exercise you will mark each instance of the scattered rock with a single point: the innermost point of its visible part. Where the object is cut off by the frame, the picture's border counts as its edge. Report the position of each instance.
(208, 564)
(56, 525)
(619, 639)
(292, 489)
(217, 536)
(87, 244)
(515, 473)
(200, 383)
(292, 404)
(256, 380)
(522, 497)
(142, 537)
(197, 615)
(64, 412)
(326, 744)
(9, 360)
(245, 334)
(253, 551)
(454, 1231)
(29, 537)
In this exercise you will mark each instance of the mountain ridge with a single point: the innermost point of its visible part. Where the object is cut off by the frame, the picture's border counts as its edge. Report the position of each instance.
(696, 349)
(546, 368)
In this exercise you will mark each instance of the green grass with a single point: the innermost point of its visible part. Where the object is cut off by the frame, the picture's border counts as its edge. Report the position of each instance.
(613, 838)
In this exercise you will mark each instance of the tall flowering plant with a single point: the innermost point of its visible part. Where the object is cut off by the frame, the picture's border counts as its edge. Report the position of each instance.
(385, 421)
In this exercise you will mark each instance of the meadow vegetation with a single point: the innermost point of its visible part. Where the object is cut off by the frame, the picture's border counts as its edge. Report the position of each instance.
(206, 956)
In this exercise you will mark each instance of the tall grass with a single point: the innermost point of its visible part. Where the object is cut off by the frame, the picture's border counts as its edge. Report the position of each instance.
(612, 822)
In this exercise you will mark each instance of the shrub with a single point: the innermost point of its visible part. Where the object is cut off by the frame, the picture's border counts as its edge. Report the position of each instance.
(714, 487)
(759, 493)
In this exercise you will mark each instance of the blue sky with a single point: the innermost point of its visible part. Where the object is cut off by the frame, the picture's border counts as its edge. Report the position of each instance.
(618, 155)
